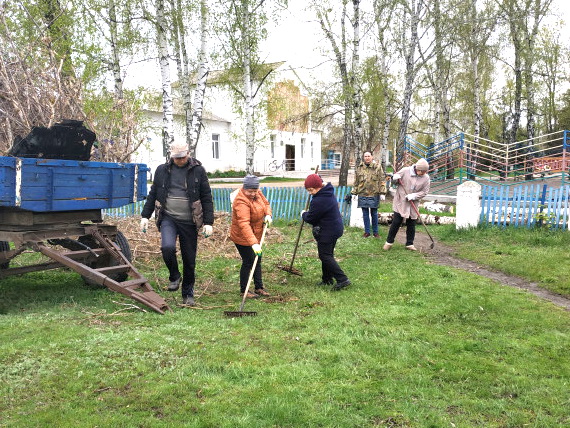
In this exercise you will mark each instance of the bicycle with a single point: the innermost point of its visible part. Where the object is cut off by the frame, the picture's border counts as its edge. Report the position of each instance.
(274, 166)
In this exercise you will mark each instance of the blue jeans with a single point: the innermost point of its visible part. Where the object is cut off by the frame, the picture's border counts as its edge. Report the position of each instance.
(366, 214)
(170, 229)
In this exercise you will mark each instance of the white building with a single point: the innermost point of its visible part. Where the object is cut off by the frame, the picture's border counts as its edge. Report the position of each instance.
(286, 138)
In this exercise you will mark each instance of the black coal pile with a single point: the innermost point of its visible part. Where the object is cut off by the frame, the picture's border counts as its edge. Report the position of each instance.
(68, 139)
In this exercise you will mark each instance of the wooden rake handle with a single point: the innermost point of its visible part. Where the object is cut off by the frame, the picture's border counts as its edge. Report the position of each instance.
(252, 269)
(301, 227)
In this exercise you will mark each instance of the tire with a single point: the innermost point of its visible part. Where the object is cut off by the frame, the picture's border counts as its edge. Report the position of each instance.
(4, 246)
(272, 166)
(107, 261)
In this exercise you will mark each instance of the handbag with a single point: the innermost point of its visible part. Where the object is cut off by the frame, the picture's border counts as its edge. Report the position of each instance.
(197, 213)
(158, 214)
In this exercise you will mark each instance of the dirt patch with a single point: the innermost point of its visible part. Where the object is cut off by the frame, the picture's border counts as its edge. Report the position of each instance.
(444, 255)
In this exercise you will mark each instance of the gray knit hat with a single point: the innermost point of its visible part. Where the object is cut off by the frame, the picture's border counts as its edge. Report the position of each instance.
(251, 182)
(422, 165)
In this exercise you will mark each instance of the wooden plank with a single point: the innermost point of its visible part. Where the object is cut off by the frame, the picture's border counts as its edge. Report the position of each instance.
(13, 216)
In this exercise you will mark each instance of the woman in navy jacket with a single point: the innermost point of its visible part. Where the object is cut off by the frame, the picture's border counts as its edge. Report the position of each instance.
(325, 217)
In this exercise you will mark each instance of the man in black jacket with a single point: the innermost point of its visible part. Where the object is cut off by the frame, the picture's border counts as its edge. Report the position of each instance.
(181, 198)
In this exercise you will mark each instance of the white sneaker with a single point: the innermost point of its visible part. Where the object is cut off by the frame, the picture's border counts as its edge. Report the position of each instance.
(411, 248)
(387, 246)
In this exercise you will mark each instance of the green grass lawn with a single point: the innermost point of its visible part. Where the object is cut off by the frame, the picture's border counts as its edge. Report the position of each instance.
(409, 344)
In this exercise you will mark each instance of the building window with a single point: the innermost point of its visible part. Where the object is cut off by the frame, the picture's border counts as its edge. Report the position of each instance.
(216, 146)
(312, 155)
(272, 141)
(302, 147)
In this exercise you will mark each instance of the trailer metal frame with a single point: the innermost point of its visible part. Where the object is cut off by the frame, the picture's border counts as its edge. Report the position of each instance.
(77, 240)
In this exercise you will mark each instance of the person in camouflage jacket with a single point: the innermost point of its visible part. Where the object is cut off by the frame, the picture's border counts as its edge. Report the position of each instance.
(370, 187)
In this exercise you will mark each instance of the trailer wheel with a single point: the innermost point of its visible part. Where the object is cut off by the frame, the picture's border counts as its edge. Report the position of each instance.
(4, 246)
(106, 261)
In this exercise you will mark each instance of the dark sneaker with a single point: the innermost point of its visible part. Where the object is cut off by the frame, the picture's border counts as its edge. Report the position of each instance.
(341, 285)
(188, 301)
(365, 235)
(174, 285)
(324, 284)
(262, 292)
(376, 235)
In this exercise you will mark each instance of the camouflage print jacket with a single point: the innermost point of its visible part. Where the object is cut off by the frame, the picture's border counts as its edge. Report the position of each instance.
(370, 180)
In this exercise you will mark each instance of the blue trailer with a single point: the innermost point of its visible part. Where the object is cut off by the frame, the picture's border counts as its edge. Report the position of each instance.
(49, 204)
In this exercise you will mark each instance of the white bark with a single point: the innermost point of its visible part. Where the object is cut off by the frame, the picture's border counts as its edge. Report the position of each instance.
(410, 73)
(115, 64)
(202, 78)
(355, 86)
(167, 107)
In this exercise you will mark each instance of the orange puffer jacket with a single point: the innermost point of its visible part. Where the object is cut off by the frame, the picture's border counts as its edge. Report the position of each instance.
(247, 218)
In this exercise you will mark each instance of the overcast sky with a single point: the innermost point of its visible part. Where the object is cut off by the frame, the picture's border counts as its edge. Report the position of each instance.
(295, 40)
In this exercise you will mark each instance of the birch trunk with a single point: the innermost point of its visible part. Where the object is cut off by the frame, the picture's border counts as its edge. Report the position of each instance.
(410, 74)
(181, 59)
(115, 64)
(340, 56)
(167, 107)
(202, 78)
(355, 86)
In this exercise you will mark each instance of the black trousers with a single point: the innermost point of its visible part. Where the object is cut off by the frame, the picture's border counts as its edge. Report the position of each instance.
(170, 229)
(329, 265)
(396, 223)
(247, 259)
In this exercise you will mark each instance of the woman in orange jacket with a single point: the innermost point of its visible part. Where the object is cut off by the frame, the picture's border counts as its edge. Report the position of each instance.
(250, 211)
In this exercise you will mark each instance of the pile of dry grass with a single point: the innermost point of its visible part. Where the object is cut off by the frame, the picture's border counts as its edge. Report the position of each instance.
(145, 247)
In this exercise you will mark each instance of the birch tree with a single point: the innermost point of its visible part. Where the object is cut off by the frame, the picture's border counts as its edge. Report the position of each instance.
(355, 85)
(413, 12)
(161, 26)
(201, 78)
(383, 15)
(242, 25)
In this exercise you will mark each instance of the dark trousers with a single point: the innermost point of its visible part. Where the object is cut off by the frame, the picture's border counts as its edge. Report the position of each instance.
(330, 267)
(396, 223)
(247, 259)
(170, 229)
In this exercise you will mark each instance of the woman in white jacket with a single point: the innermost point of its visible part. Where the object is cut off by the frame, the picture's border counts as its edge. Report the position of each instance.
(415, 180)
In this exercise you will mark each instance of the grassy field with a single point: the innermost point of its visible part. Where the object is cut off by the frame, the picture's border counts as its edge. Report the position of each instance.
(409, 344)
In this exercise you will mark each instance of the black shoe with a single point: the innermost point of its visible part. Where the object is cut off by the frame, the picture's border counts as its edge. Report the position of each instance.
(324, 284)
(341, 285)
(188, 301)
(173, 286)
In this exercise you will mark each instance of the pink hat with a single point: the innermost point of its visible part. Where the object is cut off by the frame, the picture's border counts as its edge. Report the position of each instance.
(313, 180)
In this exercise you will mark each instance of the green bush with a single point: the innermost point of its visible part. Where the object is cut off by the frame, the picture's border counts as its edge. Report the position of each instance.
(227, 174)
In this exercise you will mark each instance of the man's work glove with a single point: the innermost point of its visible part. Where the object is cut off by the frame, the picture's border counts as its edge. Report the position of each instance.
(144, 224)
(256, 249)
(268, 220)
(412, 196)
(348, 199)
(207, 230)
(395, 178)
(382, 197)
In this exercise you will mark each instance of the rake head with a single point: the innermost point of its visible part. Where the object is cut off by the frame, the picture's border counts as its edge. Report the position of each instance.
(239, 314)
(291, 270)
